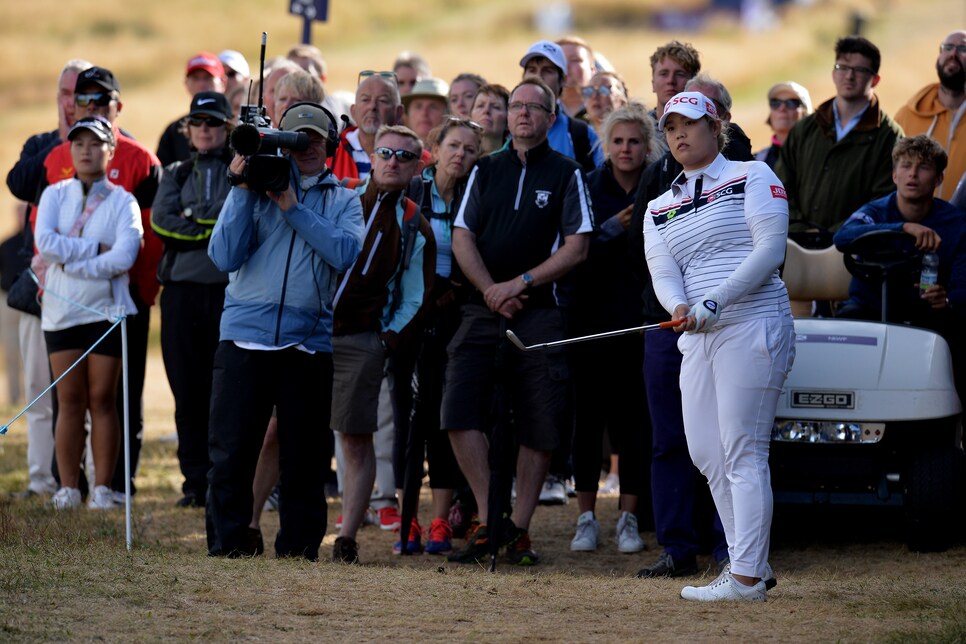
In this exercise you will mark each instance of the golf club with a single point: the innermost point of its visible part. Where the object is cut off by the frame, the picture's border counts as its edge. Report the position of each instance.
(596, 336)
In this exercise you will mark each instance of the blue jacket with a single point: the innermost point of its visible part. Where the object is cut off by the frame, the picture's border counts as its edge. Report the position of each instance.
(883, 214)
(283, 267)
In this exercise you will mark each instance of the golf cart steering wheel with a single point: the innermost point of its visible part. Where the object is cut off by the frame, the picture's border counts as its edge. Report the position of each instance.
(884, 256)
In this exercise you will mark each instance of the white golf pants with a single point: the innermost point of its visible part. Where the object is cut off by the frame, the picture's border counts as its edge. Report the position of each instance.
(730, 382)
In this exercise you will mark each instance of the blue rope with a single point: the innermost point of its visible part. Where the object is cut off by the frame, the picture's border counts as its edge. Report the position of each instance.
(117, 319)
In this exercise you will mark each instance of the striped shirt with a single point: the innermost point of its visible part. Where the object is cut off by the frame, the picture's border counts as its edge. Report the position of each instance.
(728, 240)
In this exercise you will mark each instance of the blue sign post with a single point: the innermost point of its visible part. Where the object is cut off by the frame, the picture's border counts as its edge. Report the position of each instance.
(309, 10)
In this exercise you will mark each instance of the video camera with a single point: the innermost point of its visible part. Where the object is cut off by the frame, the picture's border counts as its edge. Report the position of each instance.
(261, 144)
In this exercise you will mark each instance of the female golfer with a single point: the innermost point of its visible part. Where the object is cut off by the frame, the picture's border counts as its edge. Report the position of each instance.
(714, 243)
(89, 234)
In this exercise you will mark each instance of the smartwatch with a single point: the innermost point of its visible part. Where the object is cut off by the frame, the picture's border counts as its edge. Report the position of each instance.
(527, 280)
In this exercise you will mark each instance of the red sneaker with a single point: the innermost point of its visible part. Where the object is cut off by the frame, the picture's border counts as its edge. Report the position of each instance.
(440, 537)
(389, 519)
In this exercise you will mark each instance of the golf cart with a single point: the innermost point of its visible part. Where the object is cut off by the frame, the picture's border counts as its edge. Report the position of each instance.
(869, 414)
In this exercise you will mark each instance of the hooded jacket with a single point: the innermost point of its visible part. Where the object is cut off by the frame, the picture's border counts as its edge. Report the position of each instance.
(284, 265)
(924, 114)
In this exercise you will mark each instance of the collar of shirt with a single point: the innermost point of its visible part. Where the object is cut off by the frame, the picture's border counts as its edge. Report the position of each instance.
(306, 182)
(683, 184)
(842, 130)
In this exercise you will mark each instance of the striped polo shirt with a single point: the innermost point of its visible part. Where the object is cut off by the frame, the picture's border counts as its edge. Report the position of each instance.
(709, 236)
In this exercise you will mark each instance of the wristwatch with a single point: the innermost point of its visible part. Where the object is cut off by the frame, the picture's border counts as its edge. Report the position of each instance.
(527, 280)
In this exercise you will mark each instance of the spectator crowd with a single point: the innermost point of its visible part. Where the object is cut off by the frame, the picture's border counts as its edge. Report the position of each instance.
(358, 311)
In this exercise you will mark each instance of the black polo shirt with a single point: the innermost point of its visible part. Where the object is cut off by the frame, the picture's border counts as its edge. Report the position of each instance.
(520, 213)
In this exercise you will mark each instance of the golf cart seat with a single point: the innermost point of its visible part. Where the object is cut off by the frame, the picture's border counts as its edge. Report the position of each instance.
(814, 275)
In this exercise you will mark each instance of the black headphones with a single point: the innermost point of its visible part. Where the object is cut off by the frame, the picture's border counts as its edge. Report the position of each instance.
(332, 138)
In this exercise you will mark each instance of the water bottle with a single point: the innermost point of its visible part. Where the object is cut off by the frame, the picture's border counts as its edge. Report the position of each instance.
(930, 271)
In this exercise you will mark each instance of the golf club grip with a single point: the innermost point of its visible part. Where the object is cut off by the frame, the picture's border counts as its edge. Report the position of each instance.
(670, 324)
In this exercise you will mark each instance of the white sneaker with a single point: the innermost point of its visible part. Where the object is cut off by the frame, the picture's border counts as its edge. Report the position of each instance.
(724, 589)
(587, 531)
(611, 486)
(66, 498)
(553, 491)
(628, 537)
(102, 498)
(769, 578)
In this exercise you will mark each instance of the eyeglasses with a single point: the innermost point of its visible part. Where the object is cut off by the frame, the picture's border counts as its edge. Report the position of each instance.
(516, 106)
(100, 99)
(366, 73)
(603, 90)
(402, 156)
(789, 103)
(463, 122)
(210, 121)
(859, 71)
(948, 46)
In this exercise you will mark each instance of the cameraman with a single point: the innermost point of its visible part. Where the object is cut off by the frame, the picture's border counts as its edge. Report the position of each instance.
(284, 251)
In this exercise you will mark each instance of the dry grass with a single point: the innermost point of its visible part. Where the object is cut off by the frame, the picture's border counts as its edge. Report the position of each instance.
(67, 576)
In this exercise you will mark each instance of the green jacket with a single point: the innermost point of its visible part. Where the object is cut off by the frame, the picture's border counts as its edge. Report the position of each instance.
(827, 180)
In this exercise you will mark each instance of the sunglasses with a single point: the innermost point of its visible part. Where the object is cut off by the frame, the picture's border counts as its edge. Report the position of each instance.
(463, 122)
(210, 121)
(402, 156)
(603, 90)
(100, 99)
(789, 103)
(366, 73)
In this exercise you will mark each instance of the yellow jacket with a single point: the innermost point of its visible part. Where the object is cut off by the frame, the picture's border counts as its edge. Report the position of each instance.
(924, 114)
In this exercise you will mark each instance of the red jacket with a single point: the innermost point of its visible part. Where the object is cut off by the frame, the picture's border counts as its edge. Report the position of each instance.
(341, 164)
(137, 170)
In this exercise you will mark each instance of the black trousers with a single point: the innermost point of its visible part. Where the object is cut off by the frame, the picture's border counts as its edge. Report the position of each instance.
(190, 317)
(610, 395)
(245, 386)
(416, 377)
(137, 360)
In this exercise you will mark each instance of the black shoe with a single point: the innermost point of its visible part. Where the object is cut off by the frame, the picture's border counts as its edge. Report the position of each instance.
(190, 500)
(25, 494)
(476, 548)
(519, 551)
(254, 545)
(345, 550)
(666, 566)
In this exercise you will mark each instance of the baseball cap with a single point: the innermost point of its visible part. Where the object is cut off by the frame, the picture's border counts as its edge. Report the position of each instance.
(208, 62)
(305, 116)
(99, 126)
(235, 60)
(211, 104)
(428, 88)
(98, 75)
(549, 50)
(795, 89)
(691, 104)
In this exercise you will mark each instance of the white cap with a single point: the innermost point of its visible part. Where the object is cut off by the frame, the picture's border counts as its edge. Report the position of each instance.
(235, 60)
(549, 50)
(690, 104)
